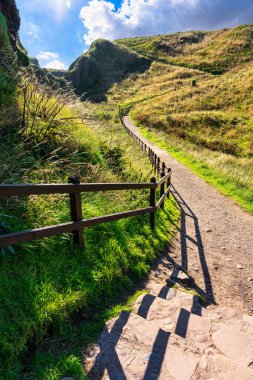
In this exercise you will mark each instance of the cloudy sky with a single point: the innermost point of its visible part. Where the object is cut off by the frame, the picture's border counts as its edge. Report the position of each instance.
(58, 31)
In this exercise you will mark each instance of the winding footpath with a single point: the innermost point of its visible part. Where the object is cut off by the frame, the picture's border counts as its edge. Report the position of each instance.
(169, 334)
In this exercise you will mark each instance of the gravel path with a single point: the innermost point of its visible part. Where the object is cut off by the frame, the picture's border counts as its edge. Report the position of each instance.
(215, 240)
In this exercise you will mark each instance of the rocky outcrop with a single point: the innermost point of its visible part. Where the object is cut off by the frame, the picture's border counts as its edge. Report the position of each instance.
(11, 13)
(93, 73)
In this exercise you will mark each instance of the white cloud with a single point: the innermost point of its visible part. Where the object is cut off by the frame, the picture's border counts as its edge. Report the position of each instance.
(51, 60)
(55, 64)
(47, 55)
(33, 30)
(151, 17)
(133, 18)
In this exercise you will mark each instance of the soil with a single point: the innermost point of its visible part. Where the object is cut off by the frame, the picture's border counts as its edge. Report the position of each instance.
(214, 242)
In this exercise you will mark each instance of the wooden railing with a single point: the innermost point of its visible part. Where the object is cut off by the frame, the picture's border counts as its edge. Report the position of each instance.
(74, 188)
(77, 224)
(159, 166)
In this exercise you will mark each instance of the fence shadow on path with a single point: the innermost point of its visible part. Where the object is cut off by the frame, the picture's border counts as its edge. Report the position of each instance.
(107, 360)
(188, 216)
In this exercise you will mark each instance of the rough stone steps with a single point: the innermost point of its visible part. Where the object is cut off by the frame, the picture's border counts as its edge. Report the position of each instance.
(168, 338)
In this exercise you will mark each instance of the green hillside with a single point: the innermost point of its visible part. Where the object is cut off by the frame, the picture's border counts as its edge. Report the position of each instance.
(214, 52)
(205, 120)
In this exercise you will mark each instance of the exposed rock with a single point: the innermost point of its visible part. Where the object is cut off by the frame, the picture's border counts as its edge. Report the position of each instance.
(11, 13)
(106, 63)
(236, 345)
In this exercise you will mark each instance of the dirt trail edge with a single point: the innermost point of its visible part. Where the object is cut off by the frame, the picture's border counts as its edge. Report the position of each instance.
(215, 241)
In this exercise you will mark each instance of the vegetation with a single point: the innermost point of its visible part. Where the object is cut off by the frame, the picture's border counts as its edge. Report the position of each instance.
(55, 298)
(214, 52)
(46, 286)
(105, 63)
(205, 121)
(7, 70)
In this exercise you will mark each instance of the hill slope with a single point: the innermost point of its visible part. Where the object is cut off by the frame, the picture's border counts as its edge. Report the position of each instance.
(104, 64)
(214, 52)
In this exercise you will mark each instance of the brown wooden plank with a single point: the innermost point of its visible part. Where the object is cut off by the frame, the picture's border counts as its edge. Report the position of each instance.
(36, 234)
(152, 200)
(39, 233)
(76, 212)
(113, 217)
(40, 189)
(161, 200)
(162, 189)
(163, 179)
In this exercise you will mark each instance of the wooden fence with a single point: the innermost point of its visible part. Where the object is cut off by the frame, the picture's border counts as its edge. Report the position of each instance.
(74, 188)
(159, 166)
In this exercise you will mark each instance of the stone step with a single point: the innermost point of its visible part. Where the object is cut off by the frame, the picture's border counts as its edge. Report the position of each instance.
(176, 316)
(133, 348)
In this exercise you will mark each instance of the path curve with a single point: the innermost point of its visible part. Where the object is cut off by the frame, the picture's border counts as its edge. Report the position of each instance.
(215, 241)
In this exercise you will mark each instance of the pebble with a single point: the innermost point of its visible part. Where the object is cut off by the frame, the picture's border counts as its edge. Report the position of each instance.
(239, 266)
(146, 357)
(169, 323)
(210, 351)
(201, 338)
(250, 278)
(228, 259)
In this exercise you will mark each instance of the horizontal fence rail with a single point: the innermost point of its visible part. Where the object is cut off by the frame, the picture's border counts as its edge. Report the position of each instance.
(43, 189)
(74, 189)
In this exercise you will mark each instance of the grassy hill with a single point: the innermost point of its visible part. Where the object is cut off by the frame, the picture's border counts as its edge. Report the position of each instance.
(205, 120)
(214, 52)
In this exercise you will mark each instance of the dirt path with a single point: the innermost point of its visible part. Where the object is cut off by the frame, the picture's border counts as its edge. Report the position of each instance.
(215, 241)
(169, 335)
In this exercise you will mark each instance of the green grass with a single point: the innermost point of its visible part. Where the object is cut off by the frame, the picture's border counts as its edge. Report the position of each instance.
(213, 52)
(45, 284)
(230, 175)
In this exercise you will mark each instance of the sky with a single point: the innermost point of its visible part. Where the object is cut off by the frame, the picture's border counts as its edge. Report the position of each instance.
(58, 31)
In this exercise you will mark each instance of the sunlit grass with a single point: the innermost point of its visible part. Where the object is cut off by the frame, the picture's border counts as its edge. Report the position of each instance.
(45, 282)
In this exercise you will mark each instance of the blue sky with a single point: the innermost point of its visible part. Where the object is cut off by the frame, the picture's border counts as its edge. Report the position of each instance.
(58, 31)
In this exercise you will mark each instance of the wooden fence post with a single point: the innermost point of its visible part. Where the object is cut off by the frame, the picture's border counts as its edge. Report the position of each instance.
(163, 167)
(158, 164)
(76, 212)
(152, 204)
(162, 189)
(169, 181)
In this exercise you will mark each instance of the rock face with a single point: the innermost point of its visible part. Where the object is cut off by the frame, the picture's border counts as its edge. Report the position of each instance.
(11, 13)
(93, 73)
